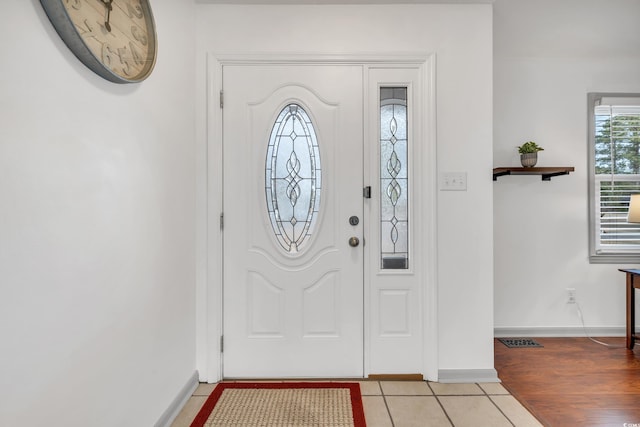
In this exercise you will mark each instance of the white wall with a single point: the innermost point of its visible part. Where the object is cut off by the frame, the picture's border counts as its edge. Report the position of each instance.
(548, 55)
(97, 234)
(461, 38)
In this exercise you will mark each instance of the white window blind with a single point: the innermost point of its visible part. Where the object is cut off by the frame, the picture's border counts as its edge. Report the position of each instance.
(615, 160)
(615, 234)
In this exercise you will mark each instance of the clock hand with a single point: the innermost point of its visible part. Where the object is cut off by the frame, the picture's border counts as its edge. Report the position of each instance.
(109, 7)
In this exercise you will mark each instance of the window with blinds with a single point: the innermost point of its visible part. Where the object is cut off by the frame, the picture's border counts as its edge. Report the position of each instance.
(614, 135)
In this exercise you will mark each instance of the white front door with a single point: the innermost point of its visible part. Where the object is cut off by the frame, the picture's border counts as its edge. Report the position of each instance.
(292, 194)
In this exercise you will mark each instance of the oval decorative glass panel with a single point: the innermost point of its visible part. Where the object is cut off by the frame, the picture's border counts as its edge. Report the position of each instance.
(293, 178)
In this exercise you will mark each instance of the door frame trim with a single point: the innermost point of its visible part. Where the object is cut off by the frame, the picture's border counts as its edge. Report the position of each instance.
(209, 282)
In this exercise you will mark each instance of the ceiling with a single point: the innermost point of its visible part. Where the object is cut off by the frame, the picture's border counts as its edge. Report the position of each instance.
(346, 1)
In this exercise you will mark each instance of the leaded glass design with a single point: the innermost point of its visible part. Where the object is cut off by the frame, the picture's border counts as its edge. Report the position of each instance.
(293, 178)
(394, 204)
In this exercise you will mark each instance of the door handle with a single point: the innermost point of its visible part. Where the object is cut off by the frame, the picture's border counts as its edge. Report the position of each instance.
(354, 241)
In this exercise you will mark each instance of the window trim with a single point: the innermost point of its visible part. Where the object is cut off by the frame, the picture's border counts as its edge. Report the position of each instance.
(622, 257)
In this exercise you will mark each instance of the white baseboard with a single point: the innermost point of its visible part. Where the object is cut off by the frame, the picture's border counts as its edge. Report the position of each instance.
(180, 400)
(468, 376)
(551, 331)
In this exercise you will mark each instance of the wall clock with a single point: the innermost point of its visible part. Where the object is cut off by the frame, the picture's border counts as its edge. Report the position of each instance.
(114, 38)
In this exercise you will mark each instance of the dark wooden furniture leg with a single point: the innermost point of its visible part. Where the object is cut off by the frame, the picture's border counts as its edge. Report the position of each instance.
(631, 312)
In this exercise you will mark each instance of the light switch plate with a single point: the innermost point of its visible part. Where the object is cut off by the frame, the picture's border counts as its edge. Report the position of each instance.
(453, 181)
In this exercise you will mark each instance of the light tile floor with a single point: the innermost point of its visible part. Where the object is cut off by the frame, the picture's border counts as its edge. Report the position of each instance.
(418, 404)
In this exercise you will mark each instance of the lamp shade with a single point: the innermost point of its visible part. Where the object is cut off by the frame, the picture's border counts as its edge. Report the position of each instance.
(634, 209)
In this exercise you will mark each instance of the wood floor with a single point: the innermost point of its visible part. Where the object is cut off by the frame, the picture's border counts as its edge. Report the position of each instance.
(574, 381)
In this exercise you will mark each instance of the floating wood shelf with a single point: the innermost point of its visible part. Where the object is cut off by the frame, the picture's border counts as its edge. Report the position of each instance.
(546, 173)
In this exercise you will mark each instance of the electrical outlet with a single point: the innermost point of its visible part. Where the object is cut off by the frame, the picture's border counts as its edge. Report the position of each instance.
(571, 295)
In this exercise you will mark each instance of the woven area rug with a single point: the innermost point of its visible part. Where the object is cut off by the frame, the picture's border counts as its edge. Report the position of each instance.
(296, 404)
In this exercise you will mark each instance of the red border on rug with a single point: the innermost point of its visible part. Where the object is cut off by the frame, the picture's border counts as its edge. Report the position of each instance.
(354, 392)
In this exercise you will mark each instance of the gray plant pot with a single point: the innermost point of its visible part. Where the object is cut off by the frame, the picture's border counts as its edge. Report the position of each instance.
(529, 160)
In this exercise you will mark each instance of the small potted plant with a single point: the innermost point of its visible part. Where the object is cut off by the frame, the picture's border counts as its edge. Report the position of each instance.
(529, 153)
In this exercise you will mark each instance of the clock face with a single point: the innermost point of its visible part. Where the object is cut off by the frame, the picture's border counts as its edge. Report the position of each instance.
(115, 38)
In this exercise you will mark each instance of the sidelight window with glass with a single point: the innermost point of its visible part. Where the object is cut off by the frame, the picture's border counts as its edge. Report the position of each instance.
(394, 179)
